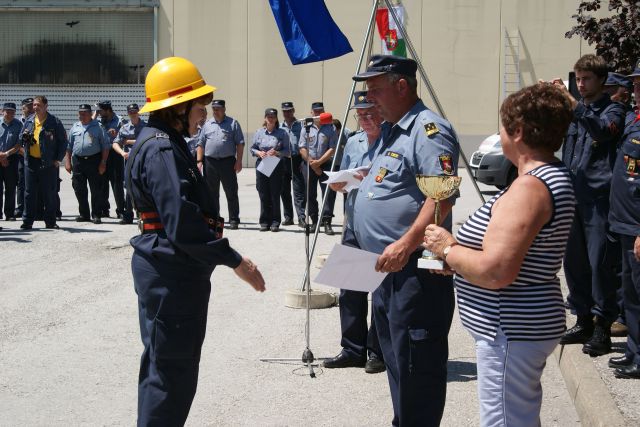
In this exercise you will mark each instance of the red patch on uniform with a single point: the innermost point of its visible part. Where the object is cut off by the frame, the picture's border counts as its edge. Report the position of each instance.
(378, 179)
(446, 164)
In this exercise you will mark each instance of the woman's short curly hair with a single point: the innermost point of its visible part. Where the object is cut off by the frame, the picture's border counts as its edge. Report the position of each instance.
(543, 111)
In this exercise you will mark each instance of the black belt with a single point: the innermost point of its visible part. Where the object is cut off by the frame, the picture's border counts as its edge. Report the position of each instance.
(87, 157)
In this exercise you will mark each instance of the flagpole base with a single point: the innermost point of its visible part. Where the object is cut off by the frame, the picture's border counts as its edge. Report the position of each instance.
(294, 298)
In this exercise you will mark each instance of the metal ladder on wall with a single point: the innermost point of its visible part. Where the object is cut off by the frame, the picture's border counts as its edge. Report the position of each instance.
(511, 80)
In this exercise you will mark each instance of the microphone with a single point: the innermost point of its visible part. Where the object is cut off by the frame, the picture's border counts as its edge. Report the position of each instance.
(325, 119)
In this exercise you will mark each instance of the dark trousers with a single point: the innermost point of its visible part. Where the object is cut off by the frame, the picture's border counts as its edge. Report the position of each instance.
(269, 190)
(591, 262)
(413, 310)
(172, 312)
(299, 187)
(44, 179)
(20, 193)
(631, 286)
(218, 171)
(287, 203)
(8, 182)
(314, 180)
(115, 176)
(357, 339)
(85, 170)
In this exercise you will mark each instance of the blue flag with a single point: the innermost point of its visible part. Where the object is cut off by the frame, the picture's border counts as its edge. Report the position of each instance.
(308, 31)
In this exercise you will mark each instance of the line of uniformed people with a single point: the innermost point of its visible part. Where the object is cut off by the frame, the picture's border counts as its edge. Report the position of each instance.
(602, 261)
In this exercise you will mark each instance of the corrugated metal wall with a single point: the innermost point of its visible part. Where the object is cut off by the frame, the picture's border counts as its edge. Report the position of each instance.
(75, 47)
(64, 100)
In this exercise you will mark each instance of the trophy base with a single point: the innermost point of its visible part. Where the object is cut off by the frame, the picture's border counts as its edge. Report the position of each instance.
(430, 264)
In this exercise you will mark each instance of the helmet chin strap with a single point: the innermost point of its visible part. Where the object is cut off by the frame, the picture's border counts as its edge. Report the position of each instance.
(184, 118)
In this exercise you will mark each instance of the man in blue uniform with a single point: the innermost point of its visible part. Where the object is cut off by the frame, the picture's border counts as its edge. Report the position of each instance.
(624, 217)
(111, 123)
(86, 161)
(27, 110)
(9, 147)
(317, 145)
(44, 141)
(220, 149)
(127, 136)
(287, 203)
(412, 308)
(592, 256)
(294, 127)
(179, 246)
(357, 341)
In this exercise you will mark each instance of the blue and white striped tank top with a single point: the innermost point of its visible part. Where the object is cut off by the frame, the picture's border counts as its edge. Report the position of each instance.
(531, 308)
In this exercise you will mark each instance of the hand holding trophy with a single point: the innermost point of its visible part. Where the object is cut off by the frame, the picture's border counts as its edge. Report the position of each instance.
(437, 188)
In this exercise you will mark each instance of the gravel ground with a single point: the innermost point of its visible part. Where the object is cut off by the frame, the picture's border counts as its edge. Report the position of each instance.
(69, 342)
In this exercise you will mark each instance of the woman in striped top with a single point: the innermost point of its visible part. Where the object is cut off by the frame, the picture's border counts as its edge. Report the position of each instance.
(506, 258)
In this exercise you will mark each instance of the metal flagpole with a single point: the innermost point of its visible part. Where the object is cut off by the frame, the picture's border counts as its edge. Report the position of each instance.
(341, 136)
(308, 359)
(427, 83)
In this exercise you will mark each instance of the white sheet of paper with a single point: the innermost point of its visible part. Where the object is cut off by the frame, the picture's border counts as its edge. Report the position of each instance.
(348, 176)
(268, 164)
(350, 268)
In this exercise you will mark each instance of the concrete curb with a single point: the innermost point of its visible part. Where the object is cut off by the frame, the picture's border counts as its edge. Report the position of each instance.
(590, 395)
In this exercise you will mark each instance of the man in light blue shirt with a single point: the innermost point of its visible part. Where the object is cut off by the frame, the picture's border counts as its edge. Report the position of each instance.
(9, 147)
(358, 341)
(86, 161)
(317, 145)
(293, 172)
(220, 148)
(413, 308)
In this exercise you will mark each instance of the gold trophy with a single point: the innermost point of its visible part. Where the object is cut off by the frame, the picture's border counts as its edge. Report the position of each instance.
(437, 188)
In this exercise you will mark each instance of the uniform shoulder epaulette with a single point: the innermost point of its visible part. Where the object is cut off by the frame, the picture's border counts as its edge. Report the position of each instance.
(431, 128)
(162, 135)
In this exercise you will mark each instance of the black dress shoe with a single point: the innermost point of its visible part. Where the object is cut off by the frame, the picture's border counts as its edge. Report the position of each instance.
(233, 225)
(301, 223)
(82, 219)
(26, 226)
(287, 221)
(125, 221)
(620, 361)
(52, 226)
(264, 227)
(374, 365)
(96, 220)
(631, 371)
(11, 218)
(105, 214)
(119, 216)
(343, 360)
(275, 228)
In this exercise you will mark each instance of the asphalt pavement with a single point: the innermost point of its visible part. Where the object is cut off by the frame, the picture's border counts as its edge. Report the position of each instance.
(70, 346)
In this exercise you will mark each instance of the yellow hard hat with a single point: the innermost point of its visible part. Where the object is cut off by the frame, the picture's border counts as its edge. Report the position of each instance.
(172, 81)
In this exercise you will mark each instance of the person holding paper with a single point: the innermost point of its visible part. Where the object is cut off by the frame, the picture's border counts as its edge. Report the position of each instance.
(270, 141)
(357, 340)
(413, 308)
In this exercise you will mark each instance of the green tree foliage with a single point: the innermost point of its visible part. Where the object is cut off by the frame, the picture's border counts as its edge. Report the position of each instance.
(616, 37)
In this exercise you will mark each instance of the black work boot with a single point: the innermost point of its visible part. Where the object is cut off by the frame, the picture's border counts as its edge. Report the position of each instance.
(600, 341)
(580, 332)
(327, 228)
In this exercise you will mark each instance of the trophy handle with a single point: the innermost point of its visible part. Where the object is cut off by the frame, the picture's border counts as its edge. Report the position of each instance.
(437, 212)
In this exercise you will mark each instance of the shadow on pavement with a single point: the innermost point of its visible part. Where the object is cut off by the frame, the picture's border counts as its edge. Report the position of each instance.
(461, 371)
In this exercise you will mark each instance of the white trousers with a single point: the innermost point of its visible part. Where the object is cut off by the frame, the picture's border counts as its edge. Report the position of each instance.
(509, 388)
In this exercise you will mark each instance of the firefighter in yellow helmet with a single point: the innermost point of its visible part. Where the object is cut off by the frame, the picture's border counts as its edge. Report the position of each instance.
(179, 245)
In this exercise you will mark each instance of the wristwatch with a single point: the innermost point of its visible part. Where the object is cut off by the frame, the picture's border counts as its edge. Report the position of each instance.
(446, 251)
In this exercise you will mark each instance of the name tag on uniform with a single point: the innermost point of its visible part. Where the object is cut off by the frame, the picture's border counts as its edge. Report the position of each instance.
(431, 129)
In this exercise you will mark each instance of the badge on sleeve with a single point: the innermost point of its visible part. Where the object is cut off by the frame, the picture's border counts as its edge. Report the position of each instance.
(431, 129)
(446, 164)
(381, 173)
(635, 141)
